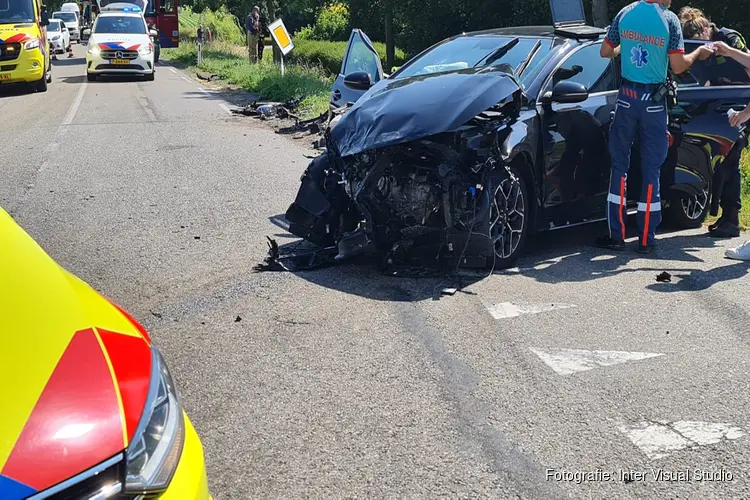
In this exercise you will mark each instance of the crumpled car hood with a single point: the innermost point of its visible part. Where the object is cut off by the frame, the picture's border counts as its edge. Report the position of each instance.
(403, 110)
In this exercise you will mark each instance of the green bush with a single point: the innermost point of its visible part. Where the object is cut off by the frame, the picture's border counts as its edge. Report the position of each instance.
(223, 25)
(306, 33)
(329, 55)
(332, 23)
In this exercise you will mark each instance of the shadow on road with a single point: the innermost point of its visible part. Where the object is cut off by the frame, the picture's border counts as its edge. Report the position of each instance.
(62, 60)
(568, 256)
(237, 98)
(15, 90)
(118, 79)
(564, 256)
(73, 79)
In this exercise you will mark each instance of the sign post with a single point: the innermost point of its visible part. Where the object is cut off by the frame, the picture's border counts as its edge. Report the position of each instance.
(281, 36)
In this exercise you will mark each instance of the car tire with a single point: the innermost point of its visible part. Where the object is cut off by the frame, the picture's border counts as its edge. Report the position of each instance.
(41, 85)
(510, 210)
(687, 212)
(91, 77)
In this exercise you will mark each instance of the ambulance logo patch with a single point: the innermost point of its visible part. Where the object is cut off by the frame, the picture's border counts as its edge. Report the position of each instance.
(639, 56)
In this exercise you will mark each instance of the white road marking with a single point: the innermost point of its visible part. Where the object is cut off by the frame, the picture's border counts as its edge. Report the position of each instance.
(62, 129)
(186, 79)
(659, 439)
(226, 108)
(172, 70)
(509, 310)
(568, 361)
(76, 103)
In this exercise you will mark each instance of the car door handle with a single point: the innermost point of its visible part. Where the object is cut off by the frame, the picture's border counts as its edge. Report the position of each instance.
(726, 107)
(336, 95)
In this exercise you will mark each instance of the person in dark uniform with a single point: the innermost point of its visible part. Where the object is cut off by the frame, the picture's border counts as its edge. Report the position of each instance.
(727, 179)
(649, 37)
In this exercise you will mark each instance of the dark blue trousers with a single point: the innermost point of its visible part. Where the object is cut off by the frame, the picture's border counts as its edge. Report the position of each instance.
(637, 113)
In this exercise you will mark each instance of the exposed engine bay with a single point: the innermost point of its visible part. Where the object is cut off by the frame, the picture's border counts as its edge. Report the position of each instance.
(446, 199)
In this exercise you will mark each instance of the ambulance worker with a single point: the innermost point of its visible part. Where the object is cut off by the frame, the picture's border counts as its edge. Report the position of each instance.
(649, 37)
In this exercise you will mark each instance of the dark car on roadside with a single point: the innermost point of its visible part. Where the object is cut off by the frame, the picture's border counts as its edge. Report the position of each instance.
(487, 137)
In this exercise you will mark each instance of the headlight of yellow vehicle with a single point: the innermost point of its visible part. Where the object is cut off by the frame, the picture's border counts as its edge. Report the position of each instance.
(157, 443)
(93, 50)
(31, 44)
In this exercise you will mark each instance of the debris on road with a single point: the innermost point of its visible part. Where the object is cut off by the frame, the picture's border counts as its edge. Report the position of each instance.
(237, 319)
(207, 77)
(664, 277)
(270, 110)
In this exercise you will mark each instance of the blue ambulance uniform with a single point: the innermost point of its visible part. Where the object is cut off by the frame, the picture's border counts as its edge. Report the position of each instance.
(646, 33)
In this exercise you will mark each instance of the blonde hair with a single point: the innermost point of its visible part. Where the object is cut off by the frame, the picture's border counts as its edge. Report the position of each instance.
(694, 22)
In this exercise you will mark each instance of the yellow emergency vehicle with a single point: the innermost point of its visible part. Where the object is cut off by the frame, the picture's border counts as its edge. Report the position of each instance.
(24, 48)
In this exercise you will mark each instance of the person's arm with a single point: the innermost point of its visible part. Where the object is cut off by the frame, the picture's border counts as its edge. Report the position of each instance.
(738, 55)
(611, 46)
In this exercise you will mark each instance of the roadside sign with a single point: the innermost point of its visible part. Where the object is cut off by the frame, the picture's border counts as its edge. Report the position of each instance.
(281, 36)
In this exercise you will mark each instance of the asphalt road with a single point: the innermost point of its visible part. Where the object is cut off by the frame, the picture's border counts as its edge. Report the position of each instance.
(342, 382)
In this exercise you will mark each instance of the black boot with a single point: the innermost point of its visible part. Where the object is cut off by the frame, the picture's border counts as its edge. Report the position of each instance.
(730, 226)
(610, 243)
(716, 224)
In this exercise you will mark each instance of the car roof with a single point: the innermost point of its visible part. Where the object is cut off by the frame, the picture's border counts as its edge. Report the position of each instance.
(581, 33)
(119, 13)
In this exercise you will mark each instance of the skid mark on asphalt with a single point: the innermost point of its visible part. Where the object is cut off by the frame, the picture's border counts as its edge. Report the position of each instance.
(459, 382)
(569, 361)
(510, 310)
(661, 438)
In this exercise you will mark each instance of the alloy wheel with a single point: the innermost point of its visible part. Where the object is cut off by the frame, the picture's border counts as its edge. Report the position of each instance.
(507, 217)
(694, 206)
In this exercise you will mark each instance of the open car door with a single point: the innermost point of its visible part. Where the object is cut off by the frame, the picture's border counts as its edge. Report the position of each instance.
(360, 59)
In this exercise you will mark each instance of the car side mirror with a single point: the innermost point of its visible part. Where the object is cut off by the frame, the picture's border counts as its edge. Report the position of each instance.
(153, 33)
(86, 32)
(358, 80)
(567, 92)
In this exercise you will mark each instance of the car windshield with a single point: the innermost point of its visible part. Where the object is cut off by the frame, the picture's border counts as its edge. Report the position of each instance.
(16, 11)
(120, 24)
(68, 17)
(53, 26)
(467, 52)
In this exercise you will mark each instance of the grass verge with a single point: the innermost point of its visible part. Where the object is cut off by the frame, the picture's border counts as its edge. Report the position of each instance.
(230, 62)
(329, 55)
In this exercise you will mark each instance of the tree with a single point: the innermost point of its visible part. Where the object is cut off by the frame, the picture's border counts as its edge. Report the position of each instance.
(599, 13)
(390, 41)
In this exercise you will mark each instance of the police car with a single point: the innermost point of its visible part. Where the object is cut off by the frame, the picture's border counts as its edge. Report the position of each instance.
(120, 43)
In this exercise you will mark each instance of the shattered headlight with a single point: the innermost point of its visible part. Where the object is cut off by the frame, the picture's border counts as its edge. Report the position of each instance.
(156, 447)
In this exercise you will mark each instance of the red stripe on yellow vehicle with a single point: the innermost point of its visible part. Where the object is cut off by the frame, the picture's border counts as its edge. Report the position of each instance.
(76, 422)
(131, 362)
(41, 307)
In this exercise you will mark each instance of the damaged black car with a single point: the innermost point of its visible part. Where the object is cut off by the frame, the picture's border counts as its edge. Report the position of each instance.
(487, 137)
